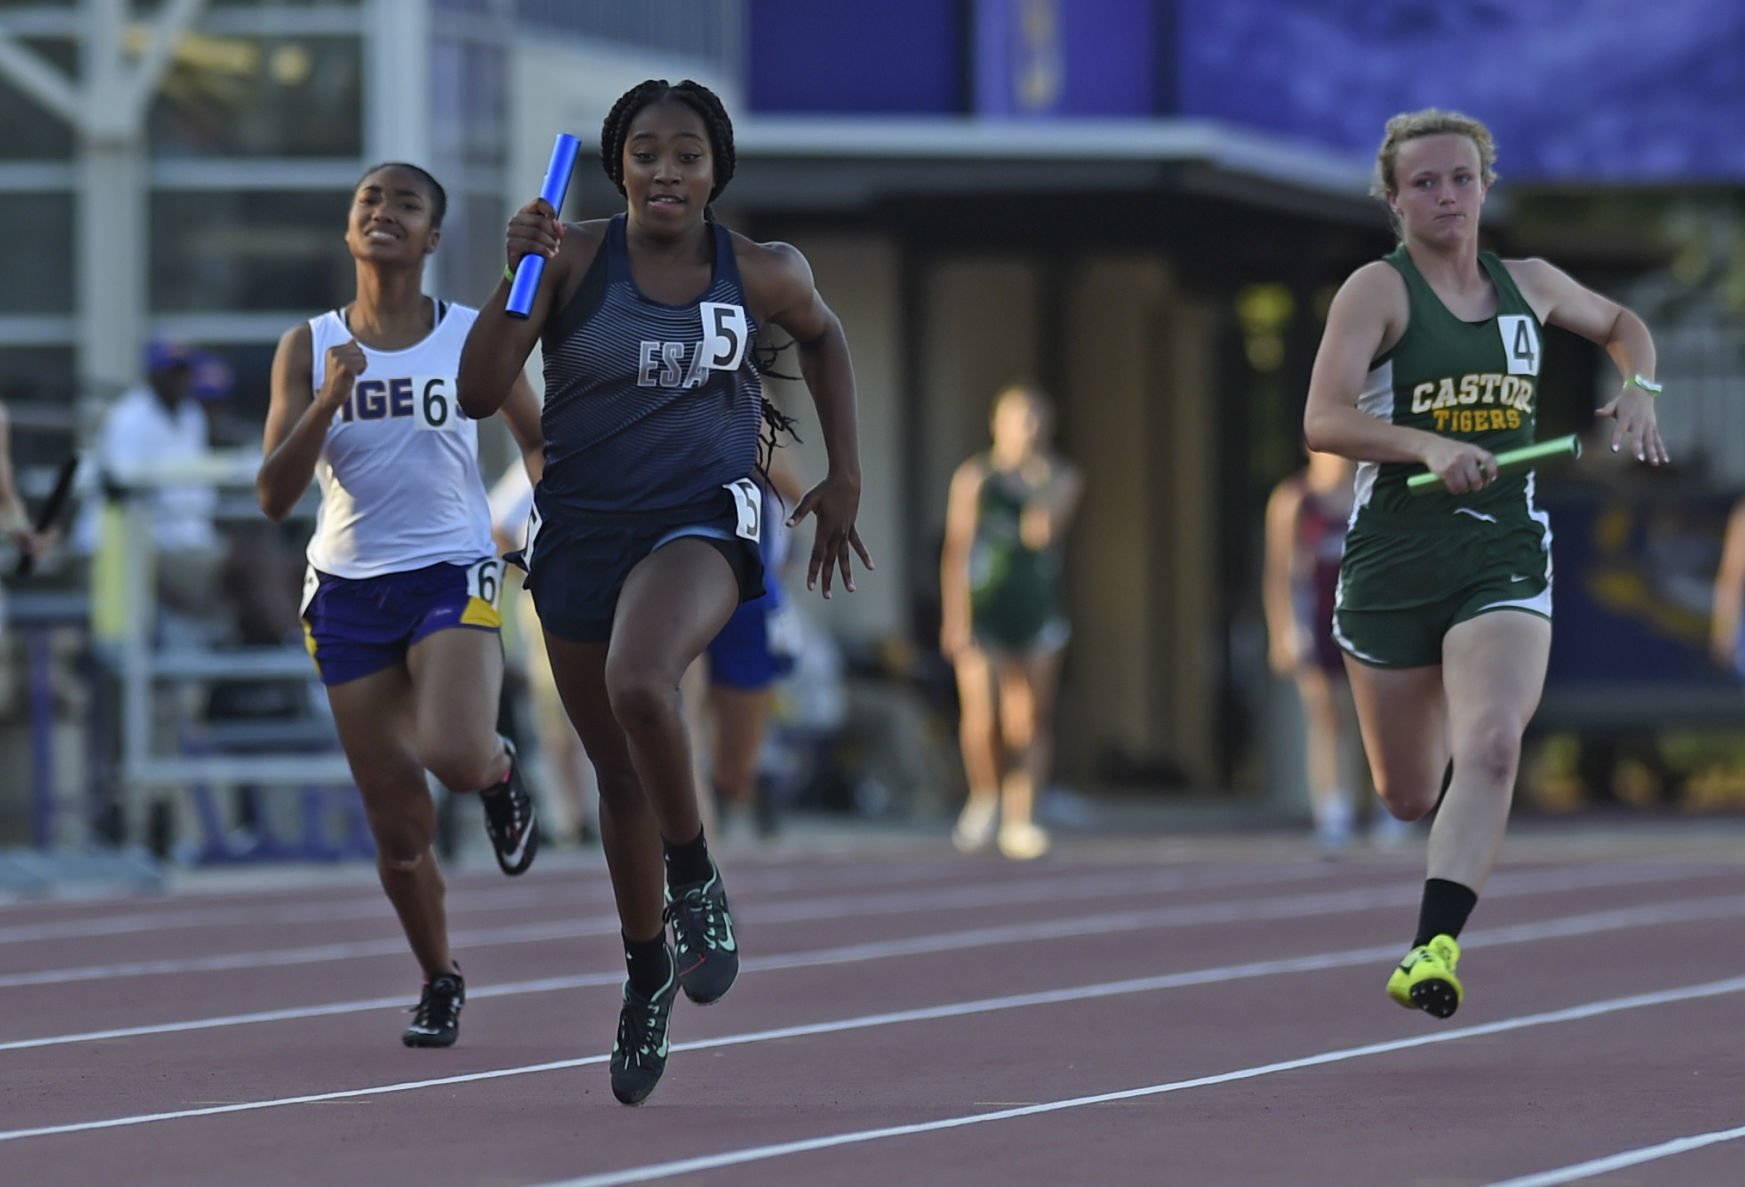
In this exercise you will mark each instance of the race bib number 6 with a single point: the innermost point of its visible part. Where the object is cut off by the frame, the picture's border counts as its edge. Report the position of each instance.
(433, 403)
(485, 581)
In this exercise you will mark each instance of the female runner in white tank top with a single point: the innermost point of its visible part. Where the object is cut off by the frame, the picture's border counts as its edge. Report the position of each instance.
(400, 601)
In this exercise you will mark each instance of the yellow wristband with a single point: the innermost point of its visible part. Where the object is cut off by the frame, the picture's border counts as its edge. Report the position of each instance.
(1647, 385)
(508, 274)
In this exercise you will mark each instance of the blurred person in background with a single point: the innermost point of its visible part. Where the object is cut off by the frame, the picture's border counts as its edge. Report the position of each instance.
(1726, 641)
(1305, 538)
(14, 516)
(729, 691)
(1430, 359)
(568, 775)
(648, 516)
(400, 601)
(1003, 619)
(159, 424)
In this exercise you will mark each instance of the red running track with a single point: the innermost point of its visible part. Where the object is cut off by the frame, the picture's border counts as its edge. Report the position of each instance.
(1119, 1013)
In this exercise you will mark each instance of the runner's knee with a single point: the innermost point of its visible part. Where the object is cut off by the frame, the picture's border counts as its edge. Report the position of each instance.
(461, 764)
(1409, 797)
(640, 698)
(1492, 752)
(401, 845)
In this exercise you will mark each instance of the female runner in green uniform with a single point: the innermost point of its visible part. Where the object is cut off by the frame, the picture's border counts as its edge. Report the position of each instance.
(1003, 622)
(1431, 357)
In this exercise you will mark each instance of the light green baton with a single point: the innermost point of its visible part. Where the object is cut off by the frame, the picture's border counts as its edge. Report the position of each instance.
(1509, 459)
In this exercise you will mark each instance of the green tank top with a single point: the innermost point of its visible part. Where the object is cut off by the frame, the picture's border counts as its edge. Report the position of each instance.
(1014, 590)
(1474, 381)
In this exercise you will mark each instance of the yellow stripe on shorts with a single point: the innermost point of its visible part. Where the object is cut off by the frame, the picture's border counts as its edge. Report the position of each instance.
(481, 613)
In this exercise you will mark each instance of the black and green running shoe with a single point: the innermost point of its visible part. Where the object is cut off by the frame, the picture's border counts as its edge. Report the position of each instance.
(640, 1050)
(704, 945)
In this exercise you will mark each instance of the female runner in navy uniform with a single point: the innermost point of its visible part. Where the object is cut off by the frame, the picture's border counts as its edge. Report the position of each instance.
(647, 518)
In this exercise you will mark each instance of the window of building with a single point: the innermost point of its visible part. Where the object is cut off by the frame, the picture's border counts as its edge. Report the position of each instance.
(242, 250)
(36, 274)
(33, 132)
(272, 95)
(36, 374)
(469, 102)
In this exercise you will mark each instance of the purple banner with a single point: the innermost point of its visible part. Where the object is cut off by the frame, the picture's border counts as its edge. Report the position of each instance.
(895, 57)
(1610, 90)
(1043, 58)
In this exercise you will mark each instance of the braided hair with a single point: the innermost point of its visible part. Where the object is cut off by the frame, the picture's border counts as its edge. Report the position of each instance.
(615, 129)
(694, 95)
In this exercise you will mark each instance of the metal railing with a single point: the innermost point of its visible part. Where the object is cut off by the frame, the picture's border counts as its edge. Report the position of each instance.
(143, 669)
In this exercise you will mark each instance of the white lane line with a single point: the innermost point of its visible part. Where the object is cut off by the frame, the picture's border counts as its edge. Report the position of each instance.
(1624, 1158)
(805, 910)
(959, 1009)
(1293, 906)
(1684, 911)
(1681, 911)
(684, 1166)
(366, 903)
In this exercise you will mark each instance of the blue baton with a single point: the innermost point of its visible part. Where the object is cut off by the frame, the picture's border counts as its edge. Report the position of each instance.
(557, 183)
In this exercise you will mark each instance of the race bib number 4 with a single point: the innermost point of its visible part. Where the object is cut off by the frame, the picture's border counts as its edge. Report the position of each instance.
(748, 502)
(1520, 343)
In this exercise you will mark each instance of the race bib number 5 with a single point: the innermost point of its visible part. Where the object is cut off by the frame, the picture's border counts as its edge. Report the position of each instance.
(748, 502)
(725, 330)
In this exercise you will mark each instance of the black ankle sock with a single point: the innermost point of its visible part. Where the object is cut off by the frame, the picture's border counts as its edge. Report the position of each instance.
(1444, 909)
(648, 964)
(687, 864)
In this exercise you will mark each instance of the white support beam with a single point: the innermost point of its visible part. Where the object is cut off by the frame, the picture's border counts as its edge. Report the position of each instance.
(175, 20)
(25, 69)
(397, 100)
(112, 246)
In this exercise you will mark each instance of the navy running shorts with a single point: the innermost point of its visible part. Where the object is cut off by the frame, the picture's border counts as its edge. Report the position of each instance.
(577, 562)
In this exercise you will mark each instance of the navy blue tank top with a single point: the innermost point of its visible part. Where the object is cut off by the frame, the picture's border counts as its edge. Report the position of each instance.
(648, 405)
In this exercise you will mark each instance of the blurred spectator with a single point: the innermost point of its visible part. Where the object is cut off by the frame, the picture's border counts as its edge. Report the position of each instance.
(157, 424)
(14, 517)
(568, 771)
(729, 690)
(1004, 624)
(1729, 604)
(1305, 538)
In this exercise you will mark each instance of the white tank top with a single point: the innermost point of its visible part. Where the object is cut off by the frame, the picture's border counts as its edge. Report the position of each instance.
(399, 471)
